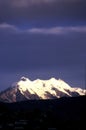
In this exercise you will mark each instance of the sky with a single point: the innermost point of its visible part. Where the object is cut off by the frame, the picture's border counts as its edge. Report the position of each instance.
(43, 39)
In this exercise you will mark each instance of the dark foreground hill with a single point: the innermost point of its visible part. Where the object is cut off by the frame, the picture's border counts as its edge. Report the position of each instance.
(56, 114)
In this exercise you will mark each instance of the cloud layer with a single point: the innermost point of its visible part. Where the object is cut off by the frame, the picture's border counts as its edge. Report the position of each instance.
(43, 35)
(41, 47)
(53, 30)
(22, 10)
(58, 30)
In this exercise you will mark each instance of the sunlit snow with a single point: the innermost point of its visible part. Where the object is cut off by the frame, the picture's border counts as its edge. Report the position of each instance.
(40, 87)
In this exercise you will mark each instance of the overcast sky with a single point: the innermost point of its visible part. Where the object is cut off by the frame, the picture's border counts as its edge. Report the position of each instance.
(43, 39)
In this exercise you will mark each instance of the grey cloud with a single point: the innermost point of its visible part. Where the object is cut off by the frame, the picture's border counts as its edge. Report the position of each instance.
(15, 11)
(8, 28)
(23, 50)
(58, 30)
(25, 3)
(37, 55)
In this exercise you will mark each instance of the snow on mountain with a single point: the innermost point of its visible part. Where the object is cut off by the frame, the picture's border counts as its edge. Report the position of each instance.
(25, 89)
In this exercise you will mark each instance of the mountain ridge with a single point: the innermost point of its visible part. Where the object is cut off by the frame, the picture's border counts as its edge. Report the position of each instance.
(25, 89)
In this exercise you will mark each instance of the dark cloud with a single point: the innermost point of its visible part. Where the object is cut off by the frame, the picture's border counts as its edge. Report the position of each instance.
(18, 11)
(51, 53)
(32, 41)
(24, 49)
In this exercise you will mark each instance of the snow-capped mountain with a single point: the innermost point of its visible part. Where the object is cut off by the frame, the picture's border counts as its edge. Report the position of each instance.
(25, 89)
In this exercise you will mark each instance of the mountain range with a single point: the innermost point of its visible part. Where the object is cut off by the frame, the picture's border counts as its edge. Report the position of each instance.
(25, 89)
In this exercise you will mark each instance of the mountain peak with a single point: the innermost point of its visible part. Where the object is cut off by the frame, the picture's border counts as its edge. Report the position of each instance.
(53, 79)
(40, 89)
(23, 78)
